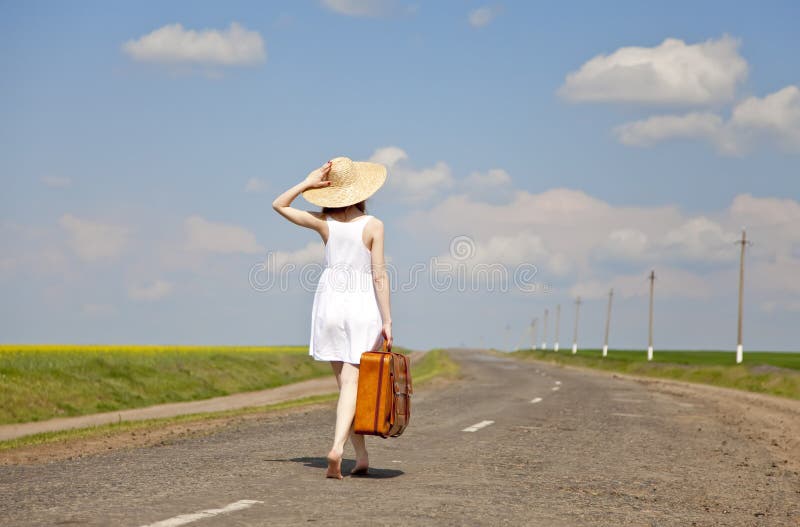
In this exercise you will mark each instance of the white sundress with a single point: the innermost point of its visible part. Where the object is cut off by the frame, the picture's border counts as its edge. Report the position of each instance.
(345, 318)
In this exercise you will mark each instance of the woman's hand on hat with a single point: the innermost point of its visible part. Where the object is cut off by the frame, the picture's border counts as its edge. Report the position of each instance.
(318, 178)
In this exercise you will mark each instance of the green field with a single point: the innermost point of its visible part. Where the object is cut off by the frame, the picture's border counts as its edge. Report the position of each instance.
(42, 382)
(764, 372)
(435, 363)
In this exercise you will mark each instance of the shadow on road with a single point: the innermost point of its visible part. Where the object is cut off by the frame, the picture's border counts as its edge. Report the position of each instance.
(347, 466)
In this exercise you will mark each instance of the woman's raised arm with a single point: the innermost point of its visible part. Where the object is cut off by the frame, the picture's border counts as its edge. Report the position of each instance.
(283, 203)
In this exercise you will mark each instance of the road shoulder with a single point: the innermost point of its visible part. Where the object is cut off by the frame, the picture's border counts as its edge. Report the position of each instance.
(767, 419)
(161, 424)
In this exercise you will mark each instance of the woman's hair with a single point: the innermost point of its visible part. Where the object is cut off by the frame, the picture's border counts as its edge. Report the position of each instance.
(361, 205)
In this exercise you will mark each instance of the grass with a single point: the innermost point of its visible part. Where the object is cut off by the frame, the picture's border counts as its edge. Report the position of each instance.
(435, 363)
(111, 429)
(43, 382)
(762, 372)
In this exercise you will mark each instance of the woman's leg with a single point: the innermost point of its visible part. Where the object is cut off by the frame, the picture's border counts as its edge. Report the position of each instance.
(347, 379)
(336, 366)
(362, 458)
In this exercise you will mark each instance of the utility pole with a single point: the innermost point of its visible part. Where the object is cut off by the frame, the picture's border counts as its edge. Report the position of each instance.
(558, 323)
(544, 331)
(650, 334)
(575, 336)
(608, 321)
(522, 339)
(533, 333)
(743, 242)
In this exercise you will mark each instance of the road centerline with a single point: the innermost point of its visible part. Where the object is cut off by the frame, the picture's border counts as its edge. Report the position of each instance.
(183, 519)
(477, 426)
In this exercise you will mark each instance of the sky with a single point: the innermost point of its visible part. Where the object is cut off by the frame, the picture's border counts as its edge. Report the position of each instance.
(536, 153)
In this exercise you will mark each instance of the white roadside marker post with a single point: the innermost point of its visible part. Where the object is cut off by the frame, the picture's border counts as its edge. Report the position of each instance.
(650, 334)
(575, 336)
(558, 323)
(743, 243)
(608, 321)
(544, 332)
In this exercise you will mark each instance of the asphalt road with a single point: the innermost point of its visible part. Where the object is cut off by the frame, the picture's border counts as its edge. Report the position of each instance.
(547, 446)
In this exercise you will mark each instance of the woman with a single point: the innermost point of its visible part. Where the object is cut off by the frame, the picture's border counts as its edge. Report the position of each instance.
(351, 312)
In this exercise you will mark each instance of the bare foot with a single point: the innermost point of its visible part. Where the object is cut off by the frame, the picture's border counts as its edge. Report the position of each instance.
(361, 468)
(334, 466)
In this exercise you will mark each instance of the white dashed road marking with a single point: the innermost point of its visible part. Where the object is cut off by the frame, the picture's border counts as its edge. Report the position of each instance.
(477, 426)
(623, 400)
(555, 388)
(627, 415)
(183, 519)
(558, 382)
(536, 400)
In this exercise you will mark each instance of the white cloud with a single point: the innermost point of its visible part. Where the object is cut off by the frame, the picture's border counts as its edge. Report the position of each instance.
(778, 275)
(313, 252)
(389, 156)
(98, 310)
(493, 178)
(560, 227)
(573, 237)
(493, 185)
(255, 185)
(172, 44)
(699, 239)
(670, 283)
(770, 211)
(482, 16)
(670, 73)
(659, 128)
(31, 249)
(152, 291)
(625, 244)
(360, 8)
(94, 241)
(7, 264)
(412, 184)
(204, 235)
(770, 306)
(57, 181)
(775, 117)
(522, 248)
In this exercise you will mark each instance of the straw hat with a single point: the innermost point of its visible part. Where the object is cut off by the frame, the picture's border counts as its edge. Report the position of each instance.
(351, 182)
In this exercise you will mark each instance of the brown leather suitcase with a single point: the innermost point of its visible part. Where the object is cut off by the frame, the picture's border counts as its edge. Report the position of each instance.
(383, 405)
